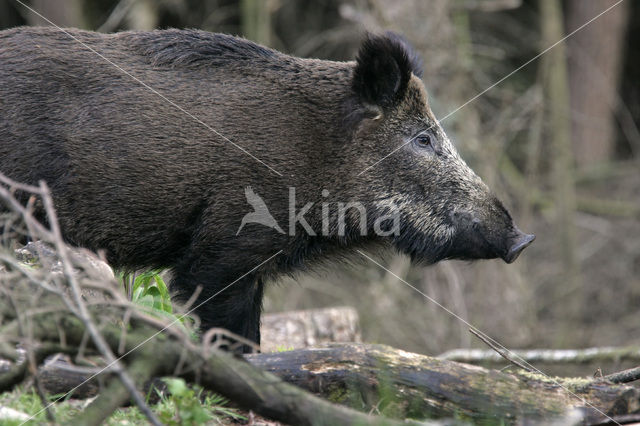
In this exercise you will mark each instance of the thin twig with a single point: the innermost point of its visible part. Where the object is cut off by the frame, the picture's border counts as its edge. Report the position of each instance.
(500, 351)
(194, 297)
(37, 384)
(207, 339)
(125, 325)
(17, 185)
(62, 365)
(14, 205)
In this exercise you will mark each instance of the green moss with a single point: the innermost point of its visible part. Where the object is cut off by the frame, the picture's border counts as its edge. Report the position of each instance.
(283, 348)
(28, 402)
(574, 384)
(338, 395)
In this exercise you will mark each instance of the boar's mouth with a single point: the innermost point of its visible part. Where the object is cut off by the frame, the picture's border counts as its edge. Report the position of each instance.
(472, 239)
(476, 242)
(517, 244)
(486, 233)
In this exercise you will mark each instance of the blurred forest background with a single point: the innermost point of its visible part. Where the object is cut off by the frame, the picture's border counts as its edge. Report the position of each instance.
(559, 141)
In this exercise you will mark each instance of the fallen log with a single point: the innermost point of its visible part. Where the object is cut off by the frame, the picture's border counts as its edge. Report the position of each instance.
(400, 384)
(410, 385)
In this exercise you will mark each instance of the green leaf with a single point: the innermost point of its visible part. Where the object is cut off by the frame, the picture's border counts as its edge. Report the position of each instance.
(162, 287)
(177, 387)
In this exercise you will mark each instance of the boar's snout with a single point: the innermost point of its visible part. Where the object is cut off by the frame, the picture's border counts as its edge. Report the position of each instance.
(518, 243)
(487, 232)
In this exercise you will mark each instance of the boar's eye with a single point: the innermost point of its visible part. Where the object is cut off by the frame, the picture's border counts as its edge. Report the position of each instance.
(423, 141)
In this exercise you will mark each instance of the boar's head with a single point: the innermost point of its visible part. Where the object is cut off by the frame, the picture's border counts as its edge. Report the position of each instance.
(446, 211)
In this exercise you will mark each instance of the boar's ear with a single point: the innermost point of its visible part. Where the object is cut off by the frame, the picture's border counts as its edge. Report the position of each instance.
(383, 69)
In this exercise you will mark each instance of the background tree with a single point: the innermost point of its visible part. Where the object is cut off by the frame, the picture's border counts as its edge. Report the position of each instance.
(595, 57)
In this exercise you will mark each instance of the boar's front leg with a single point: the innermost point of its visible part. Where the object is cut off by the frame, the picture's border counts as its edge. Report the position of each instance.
(223, 303)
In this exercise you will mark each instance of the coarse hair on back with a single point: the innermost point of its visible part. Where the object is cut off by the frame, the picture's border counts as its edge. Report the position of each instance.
(195, 48)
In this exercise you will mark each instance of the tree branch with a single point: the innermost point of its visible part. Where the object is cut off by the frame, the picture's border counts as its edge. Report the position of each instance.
(624, 376)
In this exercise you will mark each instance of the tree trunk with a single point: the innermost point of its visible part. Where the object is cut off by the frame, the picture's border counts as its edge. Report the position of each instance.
(256, 20)
(559, 135)
(594, 59)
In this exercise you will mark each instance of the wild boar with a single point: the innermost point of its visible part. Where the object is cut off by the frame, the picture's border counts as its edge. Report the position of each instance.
(232, 163)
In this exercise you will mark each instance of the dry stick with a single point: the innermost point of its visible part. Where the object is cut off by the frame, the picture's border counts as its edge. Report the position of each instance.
(500, 351)
(75, 369)
(186, 308)
(208, 342)
(115, 394)
(28, 221)
(32, 364)
(37, 384)
(17, 185)
(5, 194)
(84, 315)
(624, 376)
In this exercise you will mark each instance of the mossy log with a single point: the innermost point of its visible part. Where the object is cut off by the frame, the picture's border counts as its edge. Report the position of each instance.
(398, 383)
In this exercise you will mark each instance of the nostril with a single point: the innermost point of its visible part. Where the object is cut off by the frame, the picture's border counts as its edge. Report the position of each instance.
(521, 242)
